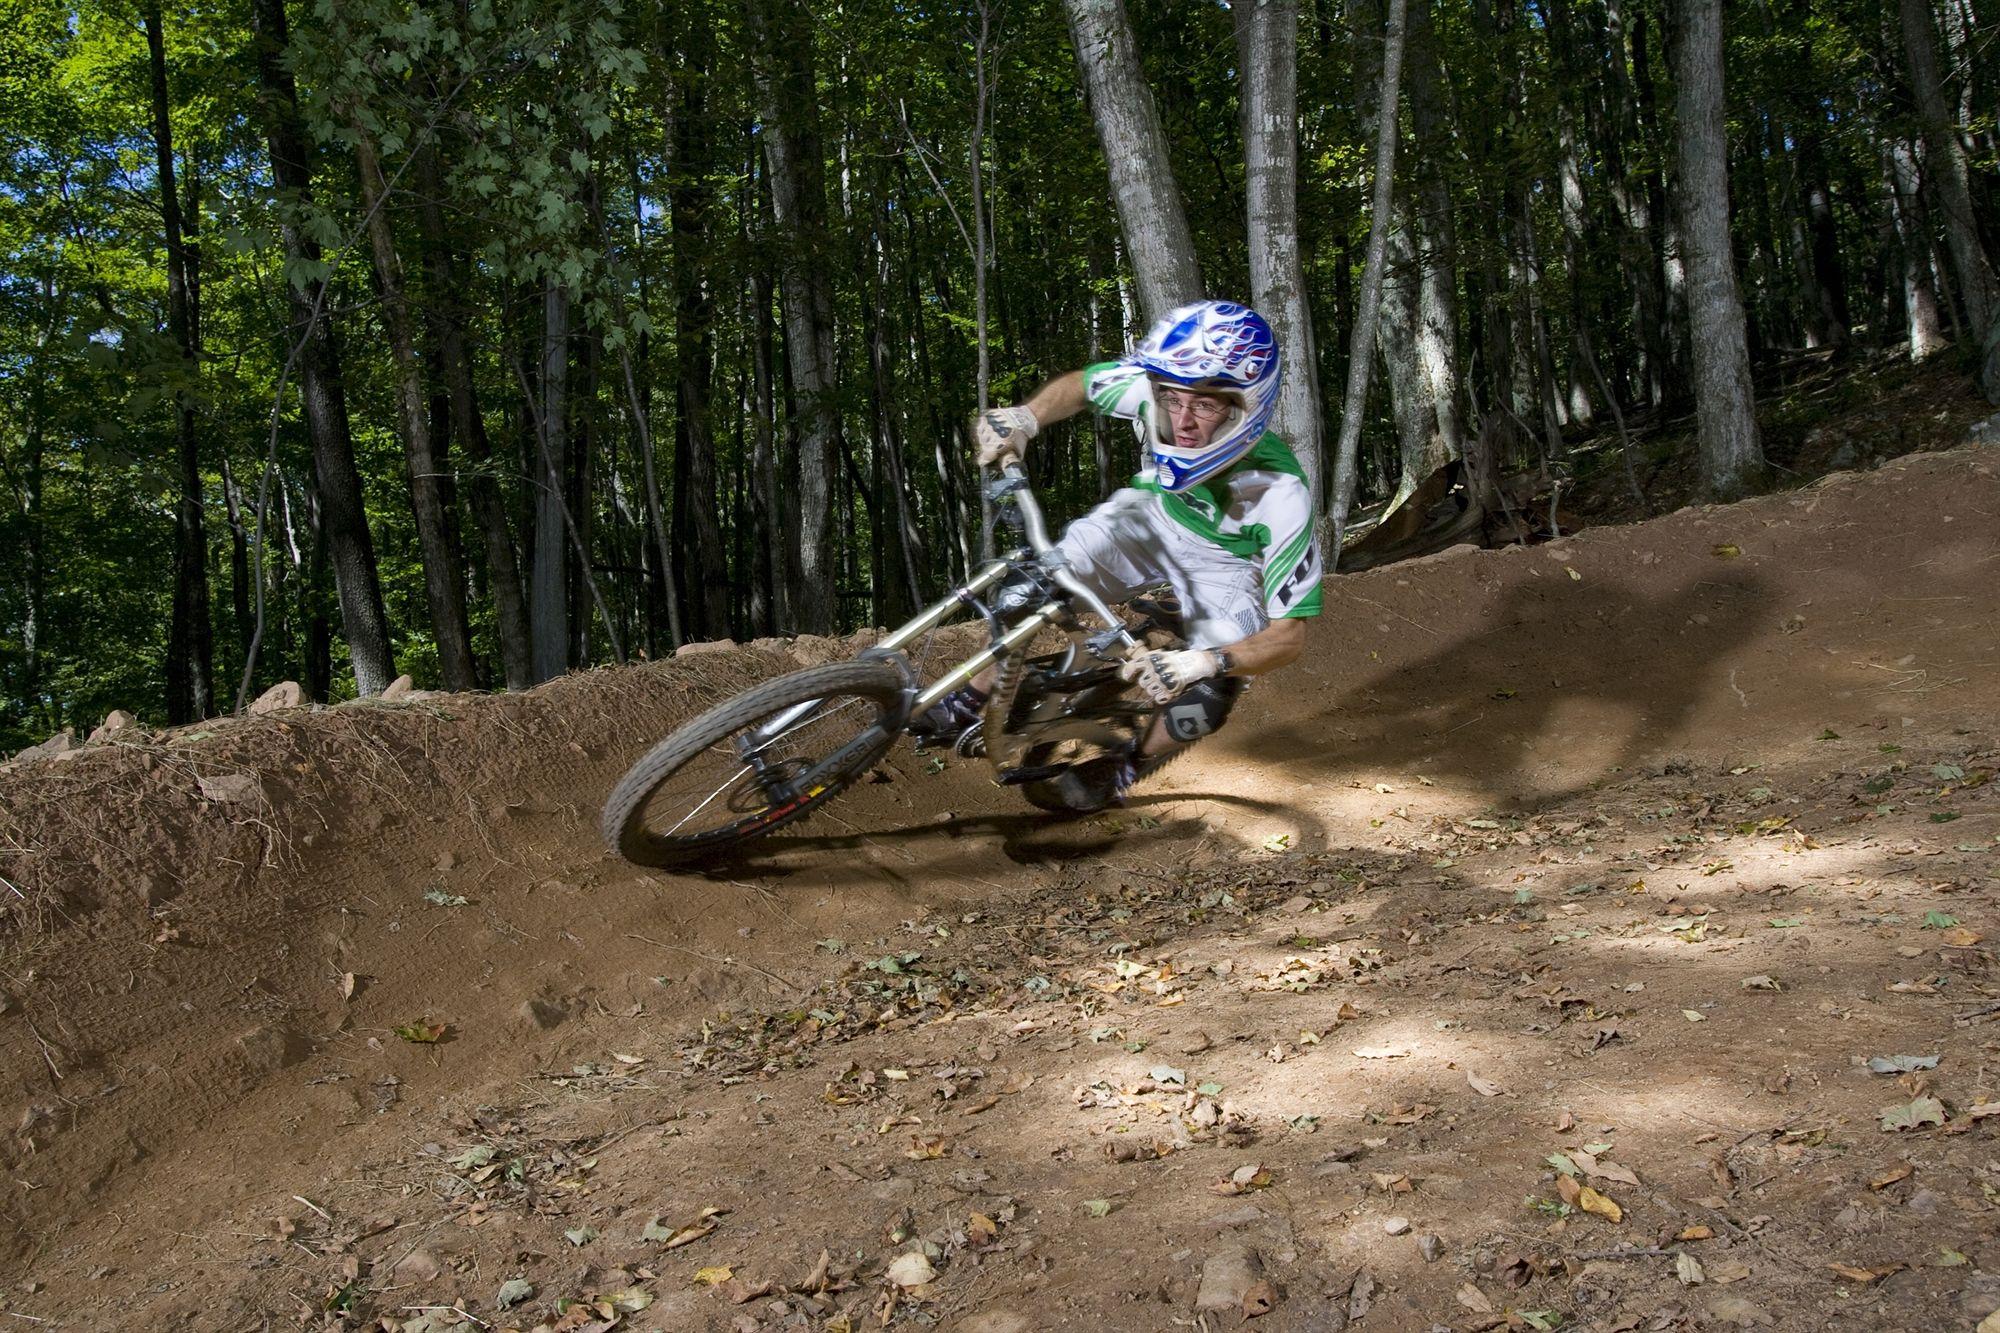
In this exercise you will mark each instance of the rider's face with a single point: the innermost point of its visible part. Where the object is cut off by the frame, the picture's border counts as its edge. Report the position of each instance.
(1191, 418)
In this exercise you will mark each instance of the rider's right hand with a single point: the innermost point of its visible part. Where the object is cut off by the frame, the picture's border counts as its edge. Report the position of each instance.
(1002, 434)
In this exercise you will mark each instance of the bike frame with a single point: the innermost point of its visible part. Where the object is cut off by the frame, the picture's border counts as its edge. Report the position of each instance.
(1010, 489)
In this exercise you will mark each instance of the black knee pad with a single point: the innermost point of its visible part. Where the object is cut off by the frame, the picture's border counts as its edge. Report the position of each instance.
(1201, 708)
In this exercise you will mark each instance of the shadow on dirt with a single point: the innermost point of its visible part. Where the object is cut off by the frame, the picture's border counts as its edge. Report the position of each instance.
(1564, 684)
(1029, 838)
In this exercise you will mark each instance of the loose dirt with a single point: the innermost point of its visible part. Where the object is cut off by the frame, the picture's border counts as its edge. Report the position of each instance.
(1516, 960)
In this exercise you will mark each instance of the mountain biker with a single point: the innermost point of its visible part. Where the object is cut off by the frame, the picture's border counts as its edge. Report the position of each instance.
(1220, 511)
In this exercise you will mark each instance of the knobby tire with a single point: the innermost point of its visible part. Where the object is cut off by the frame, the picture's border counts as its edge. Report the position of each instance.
(625, 825)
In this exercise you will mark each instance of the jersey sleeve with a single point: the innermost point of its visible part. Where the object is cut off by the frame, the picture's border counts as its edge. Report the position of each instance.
(1291, 557)
(1117, 389)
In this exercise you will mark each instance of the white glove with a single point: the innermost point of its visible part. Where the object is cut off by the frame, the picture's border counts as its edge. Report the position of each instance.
(1165, 674)
(1003, 433)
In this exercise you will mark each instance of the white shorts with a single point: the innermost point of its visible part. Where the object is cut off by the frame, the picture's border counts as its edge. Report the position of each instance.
(1127, 545)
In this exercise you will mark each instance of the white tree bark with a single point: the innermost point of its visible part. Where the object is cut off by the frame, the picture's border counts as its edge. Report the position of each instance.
(1267, 43)
(1731, 458)
(1361, 344)
(1402, 337)
(1150, 213)
(1920, 308)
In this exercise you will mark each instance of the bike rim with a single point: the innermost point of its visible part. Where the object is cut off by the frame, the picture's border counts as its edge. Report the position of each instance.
(744, 783)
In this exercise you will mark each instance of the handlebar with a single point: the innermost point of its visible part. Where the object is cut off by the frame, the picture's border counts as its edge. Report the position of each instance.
(1013, 485)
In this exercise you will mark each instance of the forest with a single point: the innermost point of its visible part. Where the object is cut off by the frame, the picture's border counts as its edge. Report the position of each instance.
(489, 340)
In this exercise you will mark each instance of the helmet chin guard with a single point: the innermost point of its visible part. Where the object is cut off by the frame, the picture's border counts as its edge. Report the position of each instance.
(1212, 347)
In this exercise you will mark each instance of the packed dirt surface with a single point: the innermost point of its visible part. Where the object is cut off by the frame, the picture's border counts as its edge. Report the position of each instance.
(1516, 960)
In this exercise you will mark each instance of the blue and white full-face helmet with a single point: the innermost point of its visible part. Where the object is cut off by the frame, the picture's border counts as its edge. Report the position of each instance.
(1214, 347)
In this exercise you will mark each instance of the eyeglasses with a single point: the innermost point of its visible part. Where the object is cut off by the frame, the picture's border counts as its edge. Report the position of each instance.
(1201, 407)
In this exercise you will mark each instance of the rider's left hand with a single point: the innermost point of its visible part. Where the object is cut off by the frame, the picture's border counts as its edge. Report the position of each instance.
(1163, 674)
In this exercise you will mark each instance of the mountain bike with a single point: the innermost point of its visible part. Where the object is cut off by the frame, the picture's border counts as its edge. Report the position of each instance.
(1058, 723)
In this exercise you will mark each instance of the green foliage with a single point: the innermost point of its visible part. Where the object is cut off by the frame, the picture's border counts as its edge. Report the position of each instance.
(556, 140)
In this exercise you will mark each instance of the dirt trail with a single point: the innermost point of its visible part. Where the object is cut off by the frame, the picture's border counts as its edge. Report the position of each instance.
(1637, 832)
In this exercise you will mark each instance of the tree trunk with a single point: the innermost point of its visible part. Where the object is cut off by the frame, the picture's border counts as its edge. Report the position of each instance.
(1267, 39)
(697, 534)
(1420, 447)
(1732, 462)
(430, 491)
(1823, 241)
(446, 313)
(1157, 239)
(1361, 340)
(1436, 236)
(343, 518)
(782, 38)
(190, 665)
(1913, 248)
(548, 591)
(768, 589)
(1637, 253)
(239, 559)
(1665, 223)
(1948, 175)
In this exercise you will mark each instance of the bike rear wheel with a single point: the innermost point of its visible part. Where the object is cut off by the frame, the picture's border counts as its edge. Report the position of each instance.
(725, 777)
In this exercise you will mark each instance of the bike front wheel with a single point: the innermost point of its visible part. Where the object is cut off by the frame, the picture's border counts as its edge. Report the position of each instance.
(754, 763)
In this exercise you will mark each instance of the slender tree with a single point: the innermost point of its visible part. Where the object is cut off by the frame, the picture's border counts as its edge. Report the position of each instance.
(1361, 343)
(343, 519)
(1158, 243)
(1267, 40)
(1948, 175)
(190, 638)
(782, 37)
(431, 498)
(1732, 460)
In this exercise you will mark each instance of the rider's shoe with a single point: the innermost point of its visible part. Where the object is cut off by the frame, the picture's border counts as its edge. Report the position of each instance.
(952, 720)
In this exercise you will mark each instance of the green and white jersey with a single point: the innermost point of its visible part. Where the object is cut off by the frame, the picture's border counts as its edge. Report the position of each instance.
(1259, 509)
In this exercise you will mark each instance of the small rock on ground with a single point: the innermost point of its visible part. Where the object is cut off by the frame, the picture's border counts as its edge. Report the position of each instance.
(1226, 1277)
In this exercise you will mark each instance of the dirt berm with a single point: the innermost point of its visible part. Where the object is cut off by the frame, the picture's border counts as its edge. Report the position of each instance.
(1587, 773)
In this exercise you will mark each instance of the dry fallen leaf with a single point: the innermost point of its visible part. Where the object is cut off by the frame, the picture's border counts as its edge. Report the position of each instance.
(1866, 1276)
(1382, 1052)
(1259, 1298)
(1696, 1232)
(1688, 1269)
(1473, 1299)
(1603, 1205)
(910, 1270)
(1242, 1180)
(1891, 1176)
(715, 1276)
(1960, 937)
